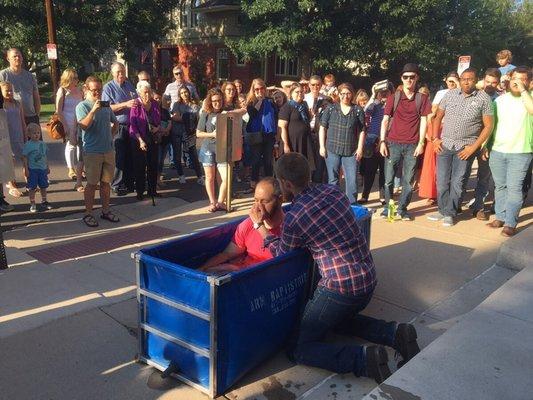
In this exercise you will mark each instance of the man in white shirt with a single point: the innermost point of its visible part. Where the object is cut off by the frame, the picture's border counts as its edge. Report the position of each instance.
(316, 103)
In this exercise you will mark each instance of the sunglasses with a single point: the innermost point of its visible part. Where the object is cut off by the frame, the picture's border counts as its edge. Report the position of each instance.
(408, 77)
(450, 81)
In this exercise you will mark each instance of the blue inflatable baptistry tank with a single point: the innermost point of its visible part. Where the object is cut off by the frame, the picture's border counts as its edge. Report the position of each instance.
(208, 331)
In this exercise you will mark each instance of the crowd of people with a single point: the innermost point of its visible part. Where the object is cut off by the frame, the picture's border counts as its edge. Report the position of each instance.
(305, 134)
(414, 143)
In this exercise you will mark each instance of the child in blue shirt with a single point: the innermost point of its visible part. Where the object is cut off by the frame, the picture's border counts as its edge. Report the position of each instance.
(36, 166)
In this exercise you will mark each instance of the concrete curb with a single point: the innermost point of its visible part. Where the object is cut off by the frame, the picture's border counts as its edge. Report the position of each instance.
(517, 252)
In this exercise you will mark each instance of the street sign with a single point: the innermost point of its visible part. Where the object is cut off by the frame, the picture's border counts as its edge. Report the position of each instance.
(464, 63)
(51, 50)
(229, 136)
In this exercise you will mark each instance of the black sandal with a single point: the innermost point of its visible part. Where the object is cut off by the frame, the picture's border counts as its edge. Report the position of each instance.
(90, 221)
(109, 216)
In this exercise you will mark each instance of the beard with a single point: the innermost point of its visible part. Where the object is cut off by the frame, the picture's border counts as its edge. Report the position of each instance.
(490, 90)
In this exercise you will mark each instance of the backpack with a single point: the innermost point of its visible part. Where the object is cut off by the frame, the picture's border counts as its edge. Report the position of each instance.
(55, 127)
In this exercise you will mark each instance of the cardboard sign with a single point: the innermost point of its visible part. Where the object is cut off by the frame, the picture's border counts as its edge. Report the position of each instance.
(229, 136)
(7, 170)
(51, 50)
(464, 63)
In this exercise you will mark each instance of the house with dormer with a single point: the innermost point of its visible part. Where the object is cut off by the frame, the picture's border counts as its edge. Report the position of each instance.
(198, 44)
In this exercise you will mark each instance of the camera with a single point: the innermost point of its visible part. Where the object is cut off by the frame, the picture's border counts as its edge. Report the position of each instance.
(104, 103)
(381, 85)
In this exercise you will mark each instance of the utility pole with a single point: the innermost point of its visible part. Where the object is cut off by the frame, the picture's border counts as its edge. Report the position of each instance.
(54, 63)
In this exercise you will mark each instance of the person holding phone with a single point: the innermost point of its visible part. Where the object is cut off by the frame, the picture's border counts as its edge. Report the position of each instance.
(98, 125)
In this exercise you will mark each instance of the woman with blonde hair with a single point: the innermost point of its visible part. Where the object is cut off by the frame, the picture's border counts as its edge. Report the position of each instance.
(361, 98)
(67, 98)
(261, 129)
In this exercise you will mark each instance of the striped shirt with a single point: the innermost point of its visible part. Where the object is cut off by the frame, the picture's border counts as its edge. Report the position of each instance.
(463, 117)
(343, 130)
(322, 221)
(173, 90)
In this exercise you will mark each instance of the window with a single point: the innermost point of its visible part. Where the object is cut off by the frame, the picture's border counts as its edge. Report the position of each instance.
(184, 16)
(240, 61)
(188, 17)
(286, 66)
(194, 15)
(222, 63)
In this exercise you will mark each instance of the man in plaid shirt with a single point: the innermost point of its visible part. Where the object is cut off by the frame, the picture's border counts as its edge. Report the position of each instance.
(322, 221)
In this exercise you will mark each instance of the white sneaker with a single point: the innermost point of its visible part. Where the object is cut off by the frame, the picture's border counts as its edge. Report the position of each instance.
(182, 179)
(201, 181)
(435, 217)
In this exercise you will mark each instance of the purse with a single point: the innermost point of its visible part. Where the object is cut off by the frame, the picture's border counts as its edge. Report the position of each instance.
(55, 127)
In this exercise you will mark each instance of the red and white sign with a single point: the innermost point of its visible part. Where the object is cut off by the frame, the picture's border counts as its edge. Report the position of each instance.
(51, 50)
(464, 63)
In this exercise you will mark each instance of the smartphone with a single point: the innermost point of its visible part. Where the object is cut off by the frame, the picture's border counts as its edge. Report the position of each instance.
(104, 103)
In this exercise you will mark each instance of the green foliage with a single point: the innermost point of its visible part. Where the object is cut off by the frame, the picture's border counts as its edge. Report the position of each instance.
(384, 34)
(86, 29)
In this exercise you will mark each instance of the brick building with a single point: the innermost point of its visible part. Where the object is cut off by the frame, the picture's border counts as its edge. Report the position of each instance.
(197, 44)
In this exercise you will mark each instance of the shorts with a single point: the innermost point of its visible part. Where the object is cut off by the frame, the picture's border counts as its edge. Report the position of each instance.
(37, 177)
(207, 154)
(99, 167)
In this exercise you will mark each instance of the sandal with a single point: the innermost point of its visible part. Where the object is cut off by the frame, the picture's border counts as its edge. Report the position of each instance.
(90, 221)
(79, 188)
(15, 192)
(212, 208)
(220, 207)
(109, 216)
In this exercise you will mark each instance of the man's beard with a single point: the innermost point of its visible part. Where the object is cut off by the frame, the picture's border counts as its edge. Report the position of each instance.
(490, 90)
(287, 196)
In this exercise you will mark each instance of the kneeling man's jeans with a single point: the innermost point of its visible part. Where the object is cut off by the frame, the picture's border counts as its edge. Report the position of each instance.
(508, 172)
(452, 175)
(332, 311)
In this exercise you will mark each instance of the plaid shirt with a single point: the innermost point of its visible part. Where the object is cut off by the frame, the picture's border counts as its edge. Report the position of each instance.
(342, 130)
(322, 221)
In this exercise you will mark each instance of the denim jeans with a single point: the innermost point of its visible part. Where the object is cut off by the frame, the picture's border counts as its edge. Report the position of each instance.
(330, 311)
(400, 152)
(452, 174)
(484, 183)
(349, 166)
(508, 172)
(176, 139)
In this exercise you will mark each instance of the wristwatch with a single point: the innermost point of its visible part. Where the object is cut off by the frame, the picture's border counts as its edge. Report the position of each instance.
(258, 225)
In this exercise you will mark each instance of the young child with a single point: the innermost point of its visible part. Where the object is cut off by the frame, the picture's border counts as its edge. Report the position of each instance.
(16, 126)
(36, 166)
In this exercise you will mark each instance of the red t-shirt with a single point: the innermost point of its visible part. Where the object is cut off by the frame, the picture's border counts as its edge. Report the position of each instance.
(405, 126)
(247, 238)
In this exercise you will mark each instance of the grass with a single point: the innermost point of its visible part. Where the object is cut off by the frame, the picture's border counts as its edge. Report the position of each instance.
(46, 111)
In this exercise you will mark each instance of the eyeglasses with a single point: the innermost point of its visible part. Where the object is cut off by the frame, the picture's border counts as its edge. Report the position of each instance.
(178, 73)
(94, 90)
(345, 94)
(468, 79)
(230, 89)
(408, 77)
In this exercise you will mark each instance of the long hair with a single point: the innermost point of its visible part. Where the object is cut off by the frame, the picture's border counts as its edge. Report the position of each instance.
(180, 100)
(251, 98)
(67, 77)
(208, 105)
(234, 100)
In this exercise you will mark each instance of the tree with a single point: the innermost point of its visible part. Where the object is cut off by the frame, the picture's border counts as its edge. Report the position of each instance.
(86, 29)
(379, 36)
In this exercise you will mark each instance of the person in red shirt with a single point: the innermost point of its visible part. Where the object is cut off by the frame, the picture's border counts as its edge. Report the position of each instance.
(404, 141)
(247, 248)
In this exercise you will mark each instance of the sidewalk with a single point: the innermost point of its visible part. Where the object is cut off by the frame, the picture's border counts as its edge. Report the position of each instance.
(68, 324)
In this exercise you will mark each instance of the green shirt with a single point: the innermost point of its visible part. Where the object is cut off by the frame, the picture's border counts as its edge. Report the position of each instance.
(514, 126)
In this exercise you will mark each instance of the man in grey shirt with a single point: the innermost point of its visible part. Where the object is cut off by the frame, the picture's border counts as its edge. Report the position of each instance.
(467, 118)
(24, 85)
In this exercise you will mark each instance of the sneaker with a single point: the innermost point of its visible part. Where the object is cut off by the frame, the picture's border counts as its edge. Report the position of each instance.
(405, 216)
(376, 360)
(33, 208)
(435, 217)
(201, 181)
(46, 205)
(448, 221)
(5, 206)
(182, 179)
(405, 342)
